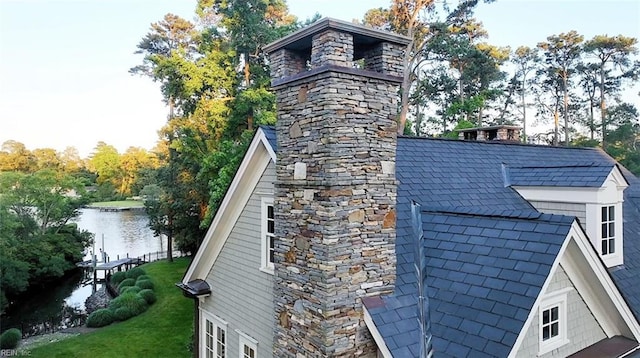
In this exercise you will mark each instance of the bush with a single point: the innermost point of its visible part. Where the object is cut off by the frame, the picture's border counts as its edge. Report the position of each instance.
(135, 272)
(134, 289)
(118, 277)
(125, 283)
(123, 314)
(148, 296)
(145, 284)
(143, 277)
(130, 300)
(100, 318)
(10, 338)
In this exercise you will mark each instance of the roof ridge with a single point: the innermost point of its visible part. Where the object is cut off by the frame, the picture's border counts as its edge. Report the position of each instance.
(494, 142)
(552, 166)
(475, 211)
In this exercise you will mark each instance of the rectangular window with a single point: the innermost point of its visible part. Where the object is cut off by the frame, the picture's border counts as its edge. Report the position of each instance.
(248, 346)
(550, 323)
(608, 232)
(553, 321)
(268, 235)
(248, 352)
(214, 343)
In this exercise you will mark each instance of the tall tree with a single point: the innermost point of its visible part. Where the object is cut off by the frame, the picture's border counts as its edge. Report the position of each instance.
(105, 162)
(168, 42)
(561, 55)
(526, 59)
(14, 156)
(610, 51)
(413, 18)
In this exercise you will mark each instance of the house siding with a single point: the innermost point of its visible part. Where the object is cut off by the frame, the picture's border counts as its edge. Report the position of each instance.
(578, 210)
(241, 294)
(582, 331)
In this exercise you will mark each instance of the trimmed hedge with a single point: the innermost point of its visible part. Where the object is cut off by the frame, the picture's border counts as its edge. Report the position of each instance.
(118, 277)
(10, 338)
(135, 273)
(123, 313)
(143, 277)
(100, 318)
(130, 300)
(145, 284)
(127, 282)
(134, 289)
(148, 296)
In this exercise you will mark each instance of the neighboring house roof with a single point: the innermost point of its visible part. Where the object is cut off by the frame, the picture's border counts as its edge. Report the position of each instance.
(484, 274)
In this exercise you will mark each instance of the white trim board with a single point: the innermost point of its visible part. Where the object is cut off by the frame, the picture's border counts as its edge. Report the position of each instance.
(258, 156)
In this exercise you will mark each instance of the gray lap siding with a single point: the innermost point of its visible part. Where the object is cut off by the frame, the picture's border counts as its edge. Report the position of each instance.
(242, 295)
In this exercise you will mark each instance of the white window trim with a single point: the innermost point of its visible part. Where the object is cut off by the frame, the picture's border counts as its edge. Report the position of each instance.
(594, 231)
(557, 298)
(265, 265)
(608, 222)
(217, 323)
(246, 340)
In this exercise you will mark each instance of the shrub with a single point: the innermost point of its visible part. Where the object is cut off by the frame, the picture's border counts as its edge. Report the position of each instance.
(148, 296)
(134, 289)
(130, 300)
(100, 318)
(135, 272)
(10, 338)
(125, 283)
(118, 277)
(145, 284)
(123, 313)
(143, 277)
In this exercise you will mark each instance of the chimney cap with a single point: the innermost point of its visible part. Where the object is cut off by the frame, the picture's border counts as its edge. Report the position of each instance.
(301, 39)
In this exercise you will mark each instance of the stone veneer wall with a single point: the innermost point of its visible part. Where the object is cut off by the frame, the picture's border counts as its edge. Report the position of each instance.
(336, 223)
(335, 205)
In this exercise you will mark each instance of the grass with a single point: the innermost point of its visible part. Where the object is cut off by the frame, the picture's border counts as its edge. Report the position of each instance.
(164, 330)
(118, 204)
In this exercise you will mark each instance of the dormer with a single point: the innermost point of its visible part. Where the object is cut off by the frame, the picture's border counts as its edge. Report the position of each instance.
(592, 193)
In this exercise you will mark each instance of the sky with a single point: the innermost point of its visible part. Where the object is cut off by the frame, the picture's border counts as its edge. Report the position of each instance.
(64, 64)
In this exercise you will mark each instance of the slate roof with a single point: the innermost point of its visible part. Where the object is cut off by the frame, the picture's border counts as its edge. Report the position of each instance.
(484, 274)
(466, 186)
(585, 175)
(627, 277)
(270, 134)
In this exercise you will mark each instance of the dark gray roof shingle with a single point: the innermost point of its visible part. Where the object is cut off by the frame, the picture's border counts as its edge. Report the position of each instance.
(577, 175)
(480, 292)
(489, 249)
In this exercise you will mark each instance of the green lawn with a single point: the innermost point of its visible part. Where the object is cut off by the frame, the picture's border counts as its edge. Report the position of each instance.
(164, 330)
(118, 204)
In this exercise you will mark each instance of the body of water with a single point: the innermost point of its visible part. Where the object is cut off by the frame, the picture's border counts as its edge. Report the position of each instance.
(118, 234)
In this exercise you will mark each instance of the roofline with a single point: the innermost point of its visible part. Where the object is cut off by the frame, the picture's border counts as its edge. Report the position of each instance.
(377, 336)
(501, 142)
(259, 140)
(600, 270)
(332, 23)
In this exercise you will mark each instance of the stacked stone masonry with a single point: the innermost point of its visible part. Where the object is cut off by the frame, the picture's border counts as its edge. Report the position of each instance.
(335, 201)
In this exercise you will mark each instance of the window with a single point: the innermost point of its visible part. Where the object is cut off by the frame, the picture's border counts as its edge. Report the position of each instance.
(608, 233)
(268, 235)
(550, 323)
(553, 321)
(214, 343)
(248, 346)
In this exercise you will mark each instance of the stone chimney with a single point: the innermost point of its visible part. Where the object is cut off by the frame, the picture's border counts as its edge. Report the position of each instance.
(505, 133)
(336, 85)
